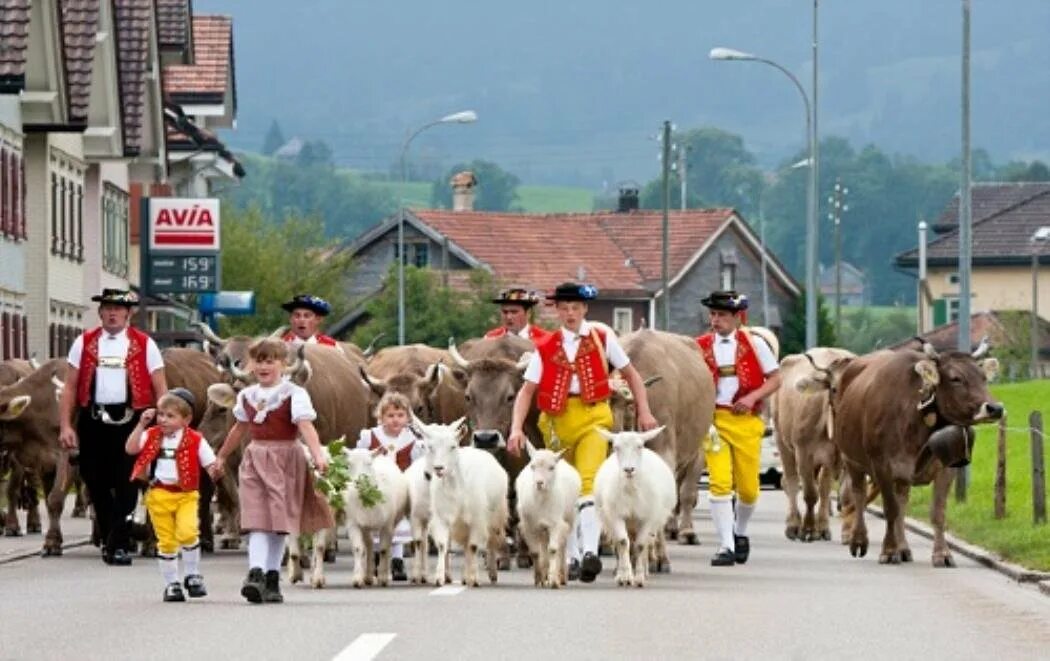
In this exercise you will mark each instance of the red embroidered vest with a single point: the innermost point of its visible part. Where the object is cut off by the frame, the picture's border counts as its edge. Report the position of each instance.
(187, 457)
(140, 385)
(277, 426)
(589, 367)
(535, 333)
(321, 338)
(402, 457)
(748, 370)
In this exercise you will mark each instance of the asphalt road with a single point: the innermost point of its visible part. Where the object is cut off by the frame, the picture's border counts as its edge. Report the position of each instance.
(791, 601)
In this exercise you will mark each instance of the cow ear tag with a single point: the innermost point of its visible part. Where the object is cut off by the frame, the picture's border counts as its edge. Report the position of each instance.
(991, 368)
(927, 371)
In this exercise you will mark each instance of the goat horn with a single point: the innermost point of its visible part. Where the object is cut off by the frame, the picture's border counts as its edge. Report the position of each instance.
(982, 348)
(208, 333)
(456, 356)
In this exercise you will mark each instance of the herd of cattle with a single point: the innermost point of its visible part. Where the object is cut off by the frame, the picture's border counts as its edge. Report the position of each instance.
(878, 424)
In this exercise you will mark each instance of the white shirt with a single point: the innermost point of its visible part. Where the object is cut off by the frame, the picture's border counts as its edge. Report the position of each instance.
(570, 342)
(265, 399)
(295, 340)
(392, 443)
(111, 383)
(725, 354)
(167, 470)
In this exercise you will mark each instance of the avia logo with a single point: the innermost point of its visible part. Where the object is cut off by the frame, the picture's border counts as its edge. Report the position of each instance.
(193, 217)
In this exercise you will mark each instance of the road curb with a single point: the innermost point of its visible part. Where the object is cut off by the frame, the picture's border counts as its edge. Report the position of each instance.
(978, 554)
(15, 556)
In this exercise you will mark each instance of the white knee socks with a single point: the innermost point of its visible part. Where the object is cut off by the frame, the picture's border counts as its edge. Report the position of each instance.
(275, 551)
(191, 559)
(743, 515)
(258, 545)
(722, 516)
(590, 529)
(169, 567)
(397, 550)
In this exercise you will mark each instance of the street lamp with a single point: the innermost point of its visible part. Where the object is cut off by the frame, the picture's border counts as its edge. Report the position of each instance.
(730, 54)
(838, 207)
(462, 117)
(1040, 238)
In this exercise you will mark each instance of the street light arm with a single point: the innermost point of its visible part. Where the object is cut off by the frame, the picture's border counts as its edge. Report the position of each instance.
(798, 85)
(408, 141)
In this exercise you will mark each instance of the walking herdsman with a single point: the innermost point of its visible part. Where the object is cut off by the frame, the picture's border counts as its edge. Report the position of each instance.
(745, 372)
(115, 372)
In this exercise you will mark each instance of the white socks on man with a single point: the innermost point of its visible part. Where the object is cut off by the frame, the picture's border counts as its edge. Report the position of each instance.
(191, 560)
(743, 515)
(169, 567)
(722, 516)
(590, 529)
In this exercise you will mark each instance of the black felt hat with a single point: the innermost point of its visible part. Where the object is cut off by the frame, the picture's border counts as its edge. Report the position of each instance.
(573, 291)
(517, 296)
(315, 304)
(725, 300)
(117, 297)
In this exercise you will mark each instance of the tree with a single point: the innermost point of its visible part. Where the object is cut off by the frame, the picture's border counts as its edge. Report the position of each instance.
(497, 189)
(274, 139)
(314, 152)
(277, 261)
(433, 312)
(1022, 171)
(793, 335)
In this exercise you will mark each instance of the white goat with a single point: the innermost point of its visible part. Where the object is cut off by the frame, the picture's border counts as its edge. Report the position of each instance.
(419, 518)
(547, 490)
(635, 494)
(380, 518)
(468, 500)
(320, 541)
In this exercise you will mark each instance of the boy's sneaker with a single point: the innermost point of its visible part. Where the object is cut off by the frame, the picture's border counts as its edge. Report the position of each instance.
(173, 592)
(272, 588)
(252, 590)
(195, 586)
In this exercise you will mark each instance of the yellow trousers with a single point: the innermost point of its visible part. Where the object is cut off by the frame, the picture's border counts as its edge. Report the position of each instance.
(174, 517)
(575, 429)
(734, 465)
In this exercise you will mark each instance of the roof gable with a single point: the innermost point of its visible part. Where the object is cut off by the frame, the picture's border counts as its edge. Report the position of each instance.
(14, 34)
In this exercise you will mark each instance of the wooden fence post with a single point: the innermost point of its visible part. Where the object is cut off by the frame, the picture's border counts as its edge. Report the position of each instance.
(1000, 471)
(1035, 421)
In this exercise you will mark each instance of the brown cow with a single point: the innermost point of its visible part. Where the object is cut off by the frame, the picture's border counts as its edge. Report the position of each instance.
(901, 417)
(21, 487)
(683, 400)
(420, 373)
(803, 434)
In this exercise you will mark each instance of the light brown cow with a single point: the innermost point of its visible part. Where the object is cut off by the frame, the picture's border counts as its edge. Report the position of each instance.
(901, 416)
(20, 487)
(421, 374)
(803, 433)
(683, 400)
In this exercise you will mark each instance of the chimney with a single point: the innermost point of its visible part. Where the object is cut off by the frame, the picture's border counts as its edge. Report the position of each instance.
(463, 185)
(628, 198)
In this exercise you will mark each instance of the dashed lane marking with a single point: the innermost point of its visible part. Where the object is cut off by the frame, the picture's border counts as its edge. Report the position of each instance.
(447, 591)
(365, 647)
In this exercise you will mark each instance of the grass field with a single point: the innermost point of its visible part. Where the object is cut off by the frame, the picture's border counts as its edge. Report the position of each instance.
(1014, 537)
(532, 199)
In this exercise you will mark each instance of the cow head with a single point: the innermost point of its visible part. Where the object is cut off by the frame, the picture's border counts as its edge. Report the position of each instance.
(489, 389)
(218, 416)
(30, 403)
(418, 389)
(953, 386)
(442, 445)
(622, 401)
(543, 463)
(628, 446)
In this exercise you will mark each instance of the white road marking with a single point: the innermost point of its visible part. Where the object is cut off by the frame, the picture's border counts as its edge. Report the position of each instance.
(448, 590)
(365, 647)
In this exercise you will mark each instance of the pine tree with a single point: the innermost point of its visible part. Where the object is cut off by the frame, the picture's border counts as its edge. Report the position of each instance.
(793, 335)
(274, 139)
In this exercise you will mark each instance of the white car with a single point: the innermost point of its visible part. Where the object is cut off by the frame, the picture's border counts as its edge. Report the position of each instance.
(770, 470)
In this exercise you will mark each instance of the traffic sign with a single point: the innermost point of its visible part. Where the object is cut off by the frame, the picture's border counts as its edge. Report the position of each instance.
(173, 273)
(183, 224)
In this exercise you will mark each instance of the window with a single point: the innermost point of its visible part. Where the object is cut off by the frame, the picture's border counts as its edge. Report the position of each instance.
(5, 196)
(728, 276)
(115, 230)
(67, 208)
(623, 320)
(420, 255)
(12, 193)
(952, 278)
(953, 309)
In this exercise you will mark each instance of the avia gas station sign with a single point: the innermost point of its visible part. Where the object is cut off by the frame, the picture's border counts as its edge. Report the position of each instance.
(181, 255)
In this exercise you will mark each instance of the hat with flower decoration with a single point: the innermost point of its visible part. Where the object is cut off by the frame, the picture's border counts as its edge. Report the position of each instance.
(117, 297)
(315, 304)
(517, 296)
(573, 291)
(725, 300)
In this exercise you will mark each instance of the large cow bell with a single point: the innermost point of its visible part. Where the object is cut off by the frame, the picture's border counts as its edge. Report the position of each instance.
(952, 446)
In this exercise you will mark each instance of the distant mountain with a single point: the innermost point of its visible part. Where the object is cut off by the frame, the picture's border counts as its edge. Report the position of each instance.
(571, 92)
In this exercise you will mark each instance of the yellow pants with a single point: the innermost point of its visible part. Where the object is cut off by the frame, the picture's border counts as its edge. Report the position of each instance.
(576, 431)
(735, 465)
(174, 517)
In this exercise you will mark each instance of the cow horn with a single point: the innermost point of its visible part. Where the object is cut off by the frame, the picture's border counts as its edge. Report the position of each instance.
(297, 361)
(982, 348)
(814, 363)
(928, 349)
(33, 362)
(58, 383)
(456, 356)
(208, 333)
(278, 332)
(523, 362)
(226, 362)
(371, 348)
(373, 382)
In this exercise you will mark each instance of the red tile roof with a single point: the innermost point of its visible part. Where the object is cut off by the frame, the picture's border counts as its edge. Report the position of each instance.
(617, 252)
(205, 80)
(133, 19)
(78, 23)
(173, 23)
(14, 40)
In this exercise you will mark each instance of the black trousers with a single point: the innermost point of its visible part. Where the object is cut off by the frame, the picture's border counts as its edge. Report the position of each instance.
(106, 470)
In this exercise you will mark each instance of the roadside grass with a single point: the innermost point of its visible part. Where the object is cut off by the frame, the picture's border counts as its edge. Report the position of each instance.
(1015, 537)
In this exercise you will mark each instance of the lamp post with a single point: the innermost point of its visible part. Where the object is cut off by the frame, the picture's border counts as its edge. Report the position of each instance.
(462, 117)
(811, 189)
(1041, 237)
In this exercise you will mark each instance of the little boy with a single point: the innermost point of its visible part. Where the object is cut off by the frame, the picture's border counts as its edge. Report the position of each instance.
(170, 456)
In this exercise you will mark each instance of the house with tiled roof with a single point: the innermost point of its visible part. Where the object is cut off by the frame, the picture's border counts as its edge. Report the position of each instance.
(620, 253)
(1005, 218)
(83, 136)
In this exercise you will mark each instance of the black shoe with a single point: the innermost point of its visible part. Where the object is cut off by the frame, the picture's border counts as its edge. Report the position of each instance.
(272, 588)
(195, 586)
(743, 549)
(173, 592)
(252, 590)
(573, 574)
(590, 567)
(397, 570)
(724, 558)
(118, 558)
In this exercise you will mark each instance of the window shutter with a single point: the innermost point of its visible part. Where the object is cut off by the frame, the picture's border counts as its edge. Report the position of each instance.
(22, 213)
(5, 194)
(5, 330)
(24, 353)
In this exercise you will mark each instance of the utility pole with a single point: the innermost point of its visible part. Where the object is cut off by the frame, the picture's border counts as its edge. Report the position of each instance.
(666, 229)
(965, 224)
(838, 207)
(812, 212)
(682, 173)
